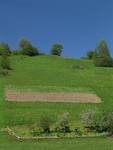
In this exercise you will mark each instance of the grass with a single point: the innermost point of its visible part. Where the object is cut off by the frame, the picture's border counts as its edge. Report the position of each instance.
(62, 74)
(6, 143)
(50, 71)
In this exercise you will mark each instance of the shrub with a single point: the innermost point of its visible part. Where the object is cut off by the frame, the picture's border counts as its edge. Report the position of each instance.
(26, 48)
(4, 49)
(35, 132)
(30, 51)
(107, 122)
(78, 132)
(63, 123)
(45, 123)
(90, 54)
(102, 56)
(98, 121)
(56, 49)
(16, 52)
(103, 61)
(87, 117)
(5, 62)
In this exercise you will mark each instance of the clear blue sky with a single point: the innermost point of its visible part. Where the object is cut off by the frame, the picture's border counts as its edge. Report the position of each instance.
(78, 24)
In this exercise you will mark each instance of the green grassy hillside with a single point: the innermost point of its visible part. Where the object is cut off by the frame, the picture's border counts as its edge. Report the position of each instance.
(50, 73)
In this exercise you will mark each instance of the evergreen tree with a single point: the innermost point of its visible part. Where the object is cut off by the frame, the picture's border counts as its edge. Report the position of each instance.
(102, 56)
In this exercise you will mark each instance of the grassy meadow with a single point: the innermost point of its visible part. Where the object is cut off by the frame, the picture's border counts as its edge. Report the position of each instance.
(52, 73)
(6, 143)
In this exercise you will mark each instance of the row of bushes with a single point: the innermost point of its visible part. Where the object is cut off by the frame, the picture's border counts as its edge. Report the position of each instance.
(93, 121)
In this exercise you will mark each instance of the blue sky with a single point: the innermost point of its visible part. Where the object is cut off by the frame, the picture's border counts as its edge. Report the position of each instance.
(77, 24)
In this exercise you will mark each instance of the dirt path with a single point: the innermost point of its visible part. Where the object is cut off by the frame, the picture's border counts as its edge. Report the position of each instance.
(51, 97)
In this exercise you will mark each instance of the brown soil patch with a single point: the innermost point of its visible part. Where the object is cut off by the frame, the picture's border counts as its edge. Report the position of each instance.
(51, 97)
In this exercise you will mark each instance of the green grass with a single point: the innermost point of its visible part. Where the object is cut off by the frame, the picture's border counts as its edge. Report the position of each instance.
(49, 73)
(6, 143)
(45, 71)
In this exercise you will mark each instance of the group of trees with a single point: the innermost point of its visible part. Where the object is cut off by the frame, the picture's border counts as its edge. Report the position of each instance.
(61, 125)
(93, 121)
(101, 55)
(98, 121)
(26, 48)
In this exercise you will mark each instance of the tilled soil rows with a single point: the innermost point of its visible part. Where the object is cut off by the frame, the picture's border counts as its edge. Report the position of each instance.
(29, 96)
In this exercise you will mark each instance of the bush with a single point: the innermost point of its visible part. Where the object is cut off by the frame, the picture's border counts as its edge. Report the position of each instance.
(30, 51)
(4, 49)
(87, 118)
(63, 123)
(16, 52)
(98, 121)
(56, 49)
(103, 61)
(102, 56)
(5, 62)
(35, 132)
(78, 132)
(45, 123)
(90, 54)
(107, 122)
(26, 48)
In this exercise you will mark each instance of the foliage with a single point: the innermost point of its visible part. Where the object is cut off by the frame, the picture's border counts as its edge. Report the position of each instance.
(5, 62)
(87, 117)
(98, 121)
(45, 123)
(27, 48)
(56, 49)
(91, 54)
(107, 122)
(102, 57)
(63, 123)
(4, 49)
(103, 61)
(78, 132)
(16, 52)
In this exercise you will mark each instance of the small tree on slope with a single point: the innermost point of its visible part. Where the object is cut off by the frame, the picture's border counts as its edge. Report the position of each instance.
(102, 56)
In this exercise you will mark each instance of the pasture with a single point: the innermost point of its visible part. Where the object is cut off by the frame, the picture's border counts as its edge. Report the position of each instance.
(54, 74)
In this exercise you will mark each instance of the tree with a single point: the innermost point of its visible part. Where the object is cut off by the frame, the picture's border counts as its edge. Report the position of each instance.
(56, 49)
(102, 56)
(91, 54)
(45, 123)
(5, 62)
(87, 117)
(4, 48)
(108, 122)
(27, 48)
(63, 123)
